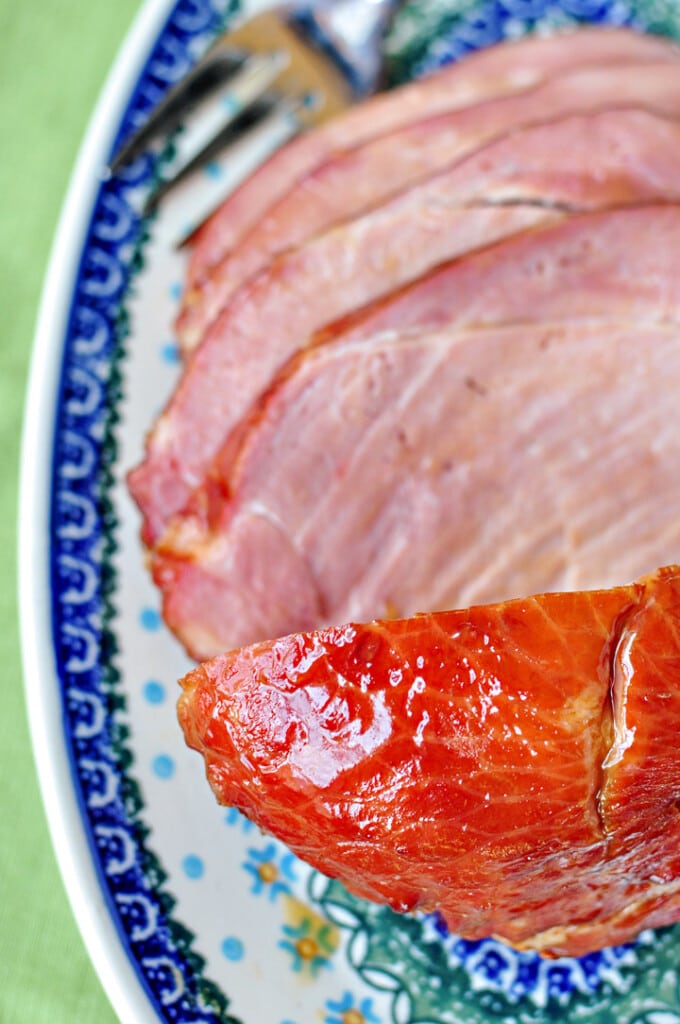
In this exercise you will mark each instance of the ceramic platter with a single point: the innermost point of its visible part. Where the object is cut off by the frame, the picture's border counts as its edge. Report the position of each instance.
(189, 912)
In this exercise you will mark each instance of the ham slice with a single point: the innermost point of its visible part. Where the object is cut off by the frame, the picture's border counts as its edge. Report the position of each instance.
(494, 71)
(513, 765)
(604, 264)
(352, 182)
(280, 310)
(355, 263)
(430, 470)
(617, 261)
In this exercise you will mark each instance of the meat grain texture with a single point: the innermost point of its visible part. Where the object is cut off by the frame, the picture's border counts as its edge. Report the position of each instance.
(432, 360)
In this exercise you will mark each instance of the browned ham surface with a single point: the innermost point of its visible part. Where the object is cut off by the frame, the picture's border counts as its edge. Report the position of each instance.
(491, 72)
(512, 765)
(396, 475)
(354, 181)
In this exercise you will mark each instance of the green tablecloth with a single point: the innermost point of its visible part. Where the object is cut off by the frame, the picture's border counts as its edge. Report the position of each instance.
(54, 58)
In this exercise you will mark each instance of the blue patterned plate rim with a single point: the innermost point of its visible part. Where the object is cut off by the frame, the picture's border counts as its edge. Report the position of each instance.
(118, 974)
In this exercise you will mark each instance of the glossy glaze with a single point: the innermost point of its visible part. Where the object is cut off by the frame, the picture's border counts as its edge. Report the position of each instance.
(462, 760)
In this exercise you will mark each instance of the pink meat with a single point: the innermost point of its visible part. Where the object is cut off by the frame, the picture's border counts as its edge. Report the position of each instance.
(586, 160)
(279, 310)
(388, 476)
(355, 180)
(354, 264)
(609, 263)
(487, 73)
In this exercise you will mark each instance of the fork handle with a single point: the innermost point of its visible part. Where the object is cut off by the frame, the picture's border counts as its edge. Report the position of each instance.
(351, 32)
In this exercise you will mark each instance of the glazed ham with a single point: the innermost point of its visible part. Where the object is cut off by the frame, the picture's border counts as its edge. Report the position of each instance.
(513, 765)
(459, 466)
(495, 71)
(352, 182)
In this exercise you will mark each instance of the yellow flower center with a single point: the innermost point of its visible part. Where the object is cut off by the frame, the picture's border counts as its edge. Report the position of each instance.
(268, 872)
(353, 1017)
(307, 948)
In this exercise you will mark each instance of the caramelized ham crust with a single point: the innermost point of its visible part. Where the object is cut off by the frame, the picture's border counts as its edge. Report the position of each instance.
(512, 765)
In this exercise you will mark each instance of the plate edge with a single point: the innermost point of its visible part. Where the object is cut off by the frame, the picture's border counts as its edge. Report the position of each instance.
(116, 973)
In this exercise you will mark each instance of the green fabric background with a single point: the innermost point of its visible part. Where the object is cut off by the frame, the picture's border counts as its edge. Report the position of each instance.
(54, 59)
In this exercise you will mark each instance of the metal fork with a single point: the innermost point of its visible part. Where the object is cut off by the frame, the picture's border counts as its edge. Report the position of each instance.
(258, 85)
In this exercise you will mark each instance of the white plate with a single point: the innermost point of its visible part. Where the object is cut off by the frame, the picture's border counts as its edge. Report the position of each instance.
(188, 912)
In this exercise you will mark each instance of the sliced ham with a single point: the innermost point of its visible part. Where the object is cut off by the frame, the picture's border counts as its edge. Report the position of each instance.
(470, 761)
(607, 264)
(279, 310)
(352, 182)
(490, 72)
(387, 476)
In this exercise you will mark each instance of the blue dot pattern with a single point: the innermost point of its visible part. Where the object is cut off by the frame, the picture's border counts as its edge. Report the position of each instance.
(163, 766)
(212, 170)
(154, 692)
(232, 948)
(231, 104)
(193, 866)
(170, 353)
(149, 619)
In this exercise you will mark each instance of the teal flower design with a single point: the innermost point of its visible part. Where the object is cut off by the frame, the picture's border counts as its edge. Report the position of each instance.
(272, 870)
(309, 945)
(346, 1011)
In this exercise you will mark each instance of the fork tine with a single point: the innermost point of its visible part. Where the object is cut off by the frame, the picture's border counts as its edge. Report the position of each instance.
(256, 87)
(279, 120)
(217, 64)
(241, 128)
(262, 34)
(219, 110)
